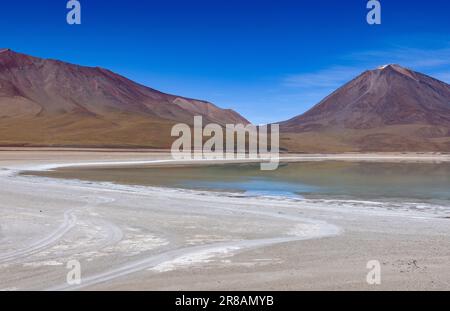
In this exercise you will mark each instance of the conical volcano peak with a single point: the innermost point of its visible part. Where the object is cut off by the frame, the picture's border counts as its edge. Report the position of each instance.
(391, 108)
(388, 95)
(383, 66)
(392, 66)
(398, 69)
(395, 67)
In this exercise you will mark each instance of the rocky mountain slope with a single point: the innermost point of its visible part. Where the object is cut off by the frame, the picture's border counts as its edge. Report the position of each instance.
(388, 109)
(52, 103)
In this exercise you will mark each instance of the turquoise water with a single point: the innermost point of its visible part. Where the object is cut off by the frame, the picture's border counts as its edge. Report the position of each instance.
(330, 179)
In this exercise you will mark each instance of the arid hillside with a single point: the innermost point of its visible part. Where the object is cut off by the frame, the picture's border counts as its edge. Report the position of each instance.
(52, 103)
(388, 109)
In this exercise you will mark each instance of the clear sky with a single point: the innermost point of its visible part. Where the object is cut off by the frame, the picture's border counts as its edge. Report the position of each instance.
(269, 60)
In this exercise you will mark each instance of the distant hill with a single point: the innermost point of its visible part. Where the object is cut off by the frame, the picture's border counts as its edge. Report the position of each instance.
(52, 103)
(388, 109)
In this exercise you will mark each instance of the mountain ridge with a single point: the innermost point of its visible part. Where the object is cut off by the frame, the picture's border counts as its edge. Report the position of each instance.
(138, 94)
(69, 104)
(46, 102)
(376, 111)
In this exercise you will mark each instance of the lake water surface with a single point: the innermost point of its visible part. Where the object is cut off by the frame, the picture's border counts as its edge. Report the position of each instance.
(326, 179)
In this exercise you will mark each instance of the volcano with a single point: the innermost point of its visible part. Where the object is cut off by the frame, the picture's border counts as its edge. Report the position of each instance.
(46, 102)
(391, 108)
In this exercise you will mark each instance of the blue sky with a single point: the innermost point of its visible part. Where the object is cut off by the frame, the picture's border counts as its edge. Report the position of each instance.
(269, 60)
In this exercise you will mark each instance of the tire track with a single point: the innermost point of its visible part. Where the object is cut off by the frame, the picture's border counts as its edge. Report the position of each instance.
(69, 222)
(186, 254)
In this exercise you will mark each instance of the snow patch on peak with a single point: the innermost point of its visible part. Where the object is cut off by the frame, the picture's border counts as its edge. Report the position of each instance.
(382, 67)
(404, 71)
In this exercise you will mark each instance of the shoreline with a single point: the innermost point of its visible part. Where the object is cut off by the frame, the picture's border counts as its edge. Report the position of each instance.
(421, 204)
(363, 157)
(260, 220)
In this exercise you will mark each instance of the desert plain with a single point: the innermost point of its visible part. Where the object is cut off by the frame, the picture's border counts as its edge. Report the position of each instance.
(149, 238)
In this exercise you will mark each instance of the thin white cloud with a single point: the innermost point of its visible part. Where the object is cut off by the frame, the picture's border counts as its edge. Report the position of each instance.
(309, 88)
(419, 59)
(435, 62)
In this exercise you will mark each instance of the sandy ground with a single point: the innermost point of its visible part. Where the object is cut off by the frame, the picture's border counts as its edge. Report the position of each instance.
(141, 238)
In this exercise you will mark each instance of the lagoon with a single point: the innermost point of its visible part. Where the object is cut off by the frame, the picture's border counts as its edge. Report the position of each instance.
(377, 181)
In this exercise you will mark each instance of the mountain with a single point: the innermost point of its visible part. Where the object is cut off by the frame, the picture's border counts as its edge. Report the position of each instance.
(388, 109)
(46, 102)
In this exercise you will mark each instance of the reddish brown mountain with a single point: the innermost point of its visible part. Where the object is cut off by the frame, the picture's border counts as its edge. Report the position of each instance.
(388, 109)
(49, 102)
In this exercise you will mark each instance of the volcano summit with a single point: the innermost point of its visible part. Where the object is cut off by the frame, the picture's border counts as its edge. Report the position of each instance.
(390, 108)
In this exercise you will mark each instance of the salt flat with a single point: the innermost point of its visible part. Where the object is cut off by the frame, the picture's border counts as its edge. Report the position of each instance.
(144, 238)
